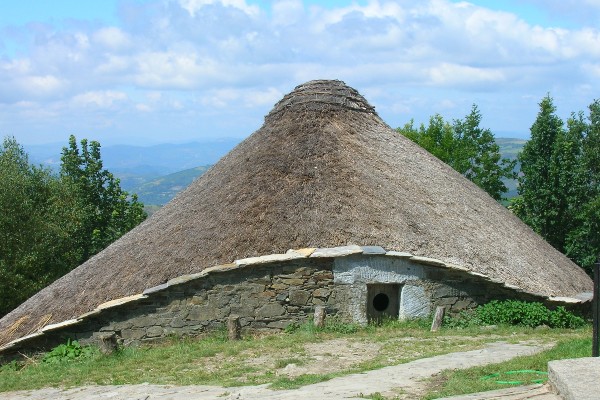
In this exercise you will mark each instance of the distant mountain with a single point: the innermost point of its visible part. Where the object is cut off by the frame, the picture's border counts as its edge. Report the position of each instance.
(136, 165)
(161, 190)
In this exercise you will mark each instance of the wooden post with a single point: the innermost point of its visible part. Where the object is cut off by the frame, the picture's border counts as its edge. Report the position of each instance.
(596, 310)
(108, 343)
(319, 319)
(438, 319)
(234, 328)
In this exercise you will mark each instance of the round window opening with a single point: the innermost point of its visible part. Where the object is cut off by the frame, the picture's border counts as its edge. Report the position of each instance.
(381, 301)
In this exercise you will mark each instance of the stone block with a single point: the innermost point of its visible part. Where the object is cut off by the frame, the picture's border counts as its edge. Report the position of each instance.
(282, 296)
(154, 331)
(279, 286)
(336, 251)
(305, 252)
(133, 334)
(463, 304)
(414, 302)
(144, 321)
(279, 324)
(155, 289)
(270, 310)
(177, 323)
(269, 258)
(373, 250)
(292, 281)
(299, 297)
(321, 292)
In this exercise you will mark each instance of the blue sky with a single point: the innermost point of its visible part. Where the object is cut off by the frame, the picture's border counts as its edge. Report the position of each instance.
(157, 71)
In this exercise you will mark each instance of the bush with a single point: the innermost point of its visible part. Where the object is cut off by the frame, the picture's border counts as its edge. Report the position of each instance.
(72, 350)
(514, 312)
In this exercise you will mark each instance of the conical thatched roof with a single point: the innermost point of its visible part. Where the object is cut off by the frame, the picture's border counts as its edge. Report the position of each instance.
(323, 171)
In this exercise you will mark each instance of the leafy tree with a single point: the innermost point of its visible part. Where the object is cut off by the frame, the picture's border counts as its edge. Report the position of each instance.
(466, 147)
(26, 226)
(50, 224)
(105, 211)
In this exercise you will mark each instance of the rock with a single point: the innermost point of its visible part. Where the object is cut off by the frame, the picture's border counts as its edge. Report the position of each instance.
(270, 310)
(373, 250)
(337, 251)
(299, 297)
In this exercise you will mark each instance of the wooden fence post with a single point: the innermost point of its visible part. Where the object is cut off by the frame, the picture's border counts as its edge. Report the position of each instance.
(438, 319)
(234, 328)
(319, 319)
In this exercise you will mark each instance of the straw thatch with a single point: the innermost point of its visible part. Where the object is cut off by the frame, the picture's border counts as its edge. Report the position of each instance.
(323, 171)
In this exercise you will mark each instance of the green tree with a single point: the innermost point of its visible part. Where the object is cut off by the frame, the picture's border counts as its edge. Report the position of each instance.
(558, 185)
(466, 147)
(536, 186)
(105, 212)
(50, 224)
(27, 227)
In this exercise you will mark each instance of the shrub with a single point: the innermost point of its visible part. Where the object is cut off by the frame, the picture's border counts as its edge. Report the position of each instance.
(515, 312)
(72, 350)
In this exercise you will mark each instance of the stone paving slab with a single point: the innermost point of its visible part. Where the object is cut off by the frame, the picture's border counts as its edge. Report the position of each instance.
(403, 378)
(529, 392)
(576, 379)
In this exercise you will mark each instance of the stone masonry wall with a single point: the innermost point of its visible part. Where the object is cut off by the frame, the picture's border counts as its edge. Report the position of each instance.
(273, 291)
(266, 297)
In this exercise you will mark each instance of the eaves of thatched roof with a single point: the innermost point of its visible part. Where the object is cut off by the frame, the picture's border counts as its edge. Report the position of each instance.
(323, 171)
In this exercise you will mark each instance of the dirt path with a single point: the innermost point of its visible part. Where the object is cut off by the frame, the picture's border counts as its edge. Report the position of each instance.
(405, 381)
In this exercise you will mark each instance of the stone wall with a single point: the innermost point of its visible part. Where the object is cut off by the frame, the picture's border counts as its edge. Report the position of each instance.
(274, 291)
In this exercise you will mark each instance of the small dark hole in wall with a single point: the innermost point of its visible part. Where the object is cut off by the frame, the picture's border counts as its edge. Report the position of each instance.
(381, 302)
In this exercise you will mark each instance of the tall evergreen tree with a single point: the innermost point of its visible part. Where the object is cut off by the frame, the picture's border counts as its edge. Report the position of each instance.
(536, 186)
(558, 185)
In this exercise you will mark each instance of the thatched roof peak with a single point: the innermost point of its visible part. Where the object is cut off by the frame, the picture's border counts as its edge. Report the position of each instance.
(320, 95)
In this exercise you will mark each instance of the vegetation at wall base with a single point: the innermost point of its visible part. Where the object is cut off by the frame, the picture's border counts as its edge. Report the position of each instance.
(515, 312)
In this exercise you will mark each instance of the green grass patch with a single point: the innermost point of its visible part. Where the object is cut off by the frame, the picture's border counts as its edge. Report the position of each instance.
(213, 360)
(518, 371)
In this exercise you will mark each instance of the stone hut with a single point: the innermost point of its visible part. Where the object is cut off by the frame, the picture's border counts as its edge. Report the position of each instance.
(324, 205)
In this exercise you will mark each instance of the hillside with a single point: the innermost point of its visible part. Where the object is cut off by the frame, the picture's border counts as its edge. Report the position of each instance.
(161, 190)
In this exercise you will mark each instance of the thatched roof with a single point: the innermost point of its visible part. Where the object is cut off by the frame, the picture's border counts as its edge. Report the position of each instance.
(323, 171)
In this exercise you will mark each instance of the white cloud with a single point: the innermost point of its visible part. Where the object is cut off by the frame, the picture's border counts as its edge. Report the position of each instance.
(112, 38)
(193, 6)
(228, 55)
(100, 99)
(447, 74)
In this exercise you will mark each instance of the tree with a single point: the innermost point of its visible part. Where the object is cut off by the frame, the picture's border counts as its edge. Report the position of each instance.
(51, 224)
(466, 147)
(26, 226)
(537, 189)
(559, 194)
(105, 211)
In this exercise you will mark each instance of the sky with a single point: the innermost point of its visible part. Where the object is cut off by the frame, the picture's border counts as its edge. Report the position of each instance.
(146, 72)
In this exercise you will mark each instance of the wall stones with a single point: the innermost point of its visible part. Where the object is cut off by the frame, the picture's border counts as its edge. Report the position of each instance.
(271, 292)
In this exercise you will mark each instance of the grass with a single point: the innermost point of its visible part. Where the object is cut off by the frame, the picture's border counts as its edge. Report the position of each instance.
(521, 370)
(318, 354)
